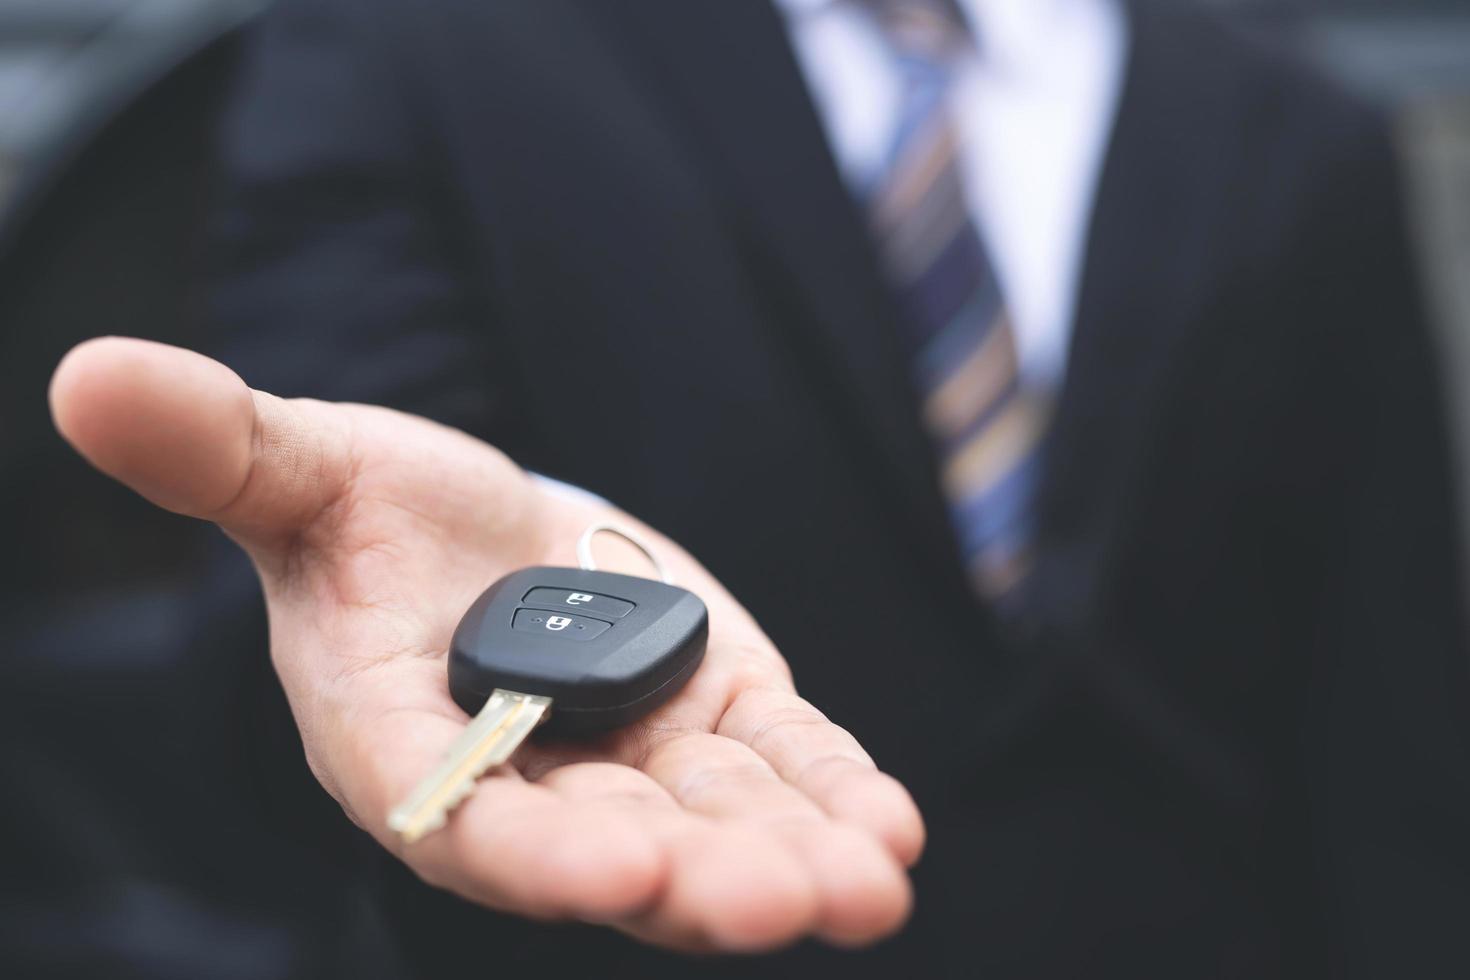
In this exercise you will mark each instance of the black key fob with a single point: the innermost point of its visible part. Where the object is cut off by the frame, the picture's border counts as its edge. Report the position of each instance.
(606, 648)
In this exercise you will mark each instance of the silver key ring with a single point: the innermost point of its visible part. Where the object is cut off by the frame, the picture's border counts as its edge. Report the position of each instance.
(584, 549)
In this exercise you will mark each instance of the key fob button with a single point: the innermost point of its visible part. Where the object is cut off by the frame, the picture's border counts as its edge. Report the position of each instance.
(564, 626)
(584, 602)
(613, 672)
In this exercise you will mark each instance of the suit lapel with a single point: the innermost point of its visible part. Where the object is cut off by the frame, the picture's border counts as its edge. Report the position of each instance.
(726, 73)
(1151, 264)
(1152, 253)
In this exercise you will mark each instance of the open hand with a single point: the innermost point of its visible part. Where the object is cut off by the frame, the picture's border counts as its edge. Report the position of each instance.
(736, 817)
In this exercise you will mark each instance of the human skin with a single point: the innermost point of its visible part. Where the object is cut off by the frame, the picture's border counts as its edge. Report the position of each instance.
(734, 818)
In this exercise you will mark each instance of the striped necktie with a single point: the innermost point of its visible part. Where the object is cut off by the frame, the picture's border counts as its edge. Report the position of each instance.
(985, 424)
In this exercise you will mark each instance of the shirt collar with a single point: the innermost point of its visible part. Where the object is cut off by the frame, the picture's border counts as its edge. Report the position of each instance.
(798, 7)
(1006, 15)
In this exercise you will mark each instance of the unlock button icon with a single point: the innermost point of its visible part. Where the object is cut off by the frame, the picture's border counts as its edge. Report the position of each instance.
(564, 627)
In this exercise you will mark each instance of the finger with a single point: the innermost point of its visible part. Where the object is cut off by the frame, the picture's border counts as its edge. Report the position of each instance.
(729, 887)
(187, 433)
(513, 845)
(862, 891)
(827, 765)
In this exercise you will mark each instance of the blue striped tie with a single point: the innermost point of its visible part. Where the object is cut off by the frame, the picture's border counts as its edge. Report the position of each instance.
(986, 425)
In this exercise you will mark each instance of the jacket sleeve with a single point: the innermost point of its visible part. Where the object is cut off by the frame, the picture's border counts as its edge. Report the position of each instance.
(338, 272)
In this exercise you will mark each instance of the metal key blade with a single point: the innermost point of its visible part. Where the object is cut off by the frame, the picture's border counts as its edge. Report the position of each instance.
(500, 727)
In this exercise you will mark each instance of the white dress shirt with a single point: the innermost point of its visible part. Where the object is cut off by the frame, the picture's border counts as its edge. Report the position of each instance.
(1034, 114)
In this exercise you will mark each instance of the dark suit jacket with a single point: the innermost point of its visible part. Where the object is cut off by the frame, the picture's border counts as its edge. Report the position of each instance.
(1229, 738)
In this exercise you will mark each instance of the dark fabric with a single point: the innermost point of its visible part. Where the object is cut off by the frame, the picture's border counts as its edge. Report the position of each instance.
(1230, 739)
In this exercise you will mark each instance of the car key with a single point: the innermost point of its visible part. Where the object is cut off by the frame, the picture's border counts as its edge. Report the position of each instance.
(576, 650)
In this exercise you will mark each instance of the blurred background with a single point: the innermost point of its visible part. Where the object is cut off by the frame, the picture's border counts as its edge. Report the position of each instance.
(105, 108)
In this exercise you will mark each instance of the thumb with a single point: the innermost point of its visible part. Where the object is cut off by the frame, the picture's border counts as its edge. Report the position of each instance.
(188, 434)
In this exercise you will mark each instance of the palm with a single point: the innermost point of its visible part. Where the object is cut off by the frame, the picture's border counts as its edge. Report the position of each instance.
(400, 558)
(734, 816)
